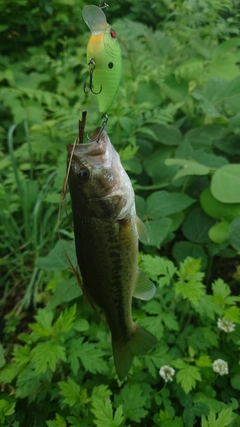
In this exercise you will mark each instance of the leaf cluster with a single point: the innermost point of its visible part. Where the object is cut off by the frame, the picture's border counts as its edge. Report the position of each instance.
(175, 123)
(66, 360)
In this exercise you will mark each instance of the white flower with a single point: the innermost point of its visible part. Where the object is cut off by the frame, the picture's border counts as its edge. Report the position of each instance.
(226, 325)
(166, 372)
(220, 366)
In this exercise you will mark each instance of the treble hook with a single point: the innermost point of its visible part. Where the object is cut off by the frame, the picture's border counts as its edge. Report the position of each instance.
(91, 67)
(104, 122)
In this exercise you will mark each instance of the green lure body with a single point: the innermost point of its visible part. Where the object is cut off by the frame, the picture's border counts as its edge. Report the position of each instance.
(104, 49)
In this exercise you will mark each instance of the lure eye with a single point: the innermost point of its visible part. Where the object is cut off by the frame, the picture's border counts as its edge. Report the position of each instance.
(113, 34)
(83, 174)
(110, 65)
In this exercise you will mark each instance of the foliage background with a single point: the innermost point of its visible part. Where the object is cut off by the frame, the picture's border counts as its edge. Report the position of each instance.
(176, 125)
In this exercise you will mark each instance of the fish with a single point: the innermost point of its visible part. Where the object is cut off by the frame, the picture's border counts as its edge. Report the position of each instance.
(107, 230)
(104, 55)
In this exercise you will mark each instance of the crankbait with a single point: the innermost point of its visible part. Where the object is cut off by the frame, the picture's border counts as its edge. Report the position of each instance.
(103, 57)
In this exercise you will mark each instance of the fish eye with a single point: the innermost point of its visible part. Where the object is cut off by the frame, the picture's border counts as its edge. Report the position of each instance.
(83, 174)
(110, 65)
(113, 34)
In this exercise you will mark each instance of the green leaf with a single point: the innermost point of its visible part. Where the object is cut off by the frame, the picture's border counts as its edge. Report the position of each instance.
(103, 412)
(65, 321)
(46, 355)
(9, 372)
(207, 308)
(208, 399)
(196, 226)
(177, 91)
(190, 69)
(173, 422)
(81, 325)
(204, 361)
(2, 358)
(101, 392)
(188, 167)
(216, 209)
(90, 355)
(157, 231)
(190, 288)
(70, 391)
(132, 400)
(219, 232)
(235, 381)
(155, 167)
(190, 269)
(225, 185)
(232, 313)
(57, 257)
(157, 358)
(155, 266)
(65, 292)
(21, 355)
(234, 234)
(6, 408)
(191, 291)
(170, 321)
(166, 134)
(187, 376)
(202, 137)
(220, 292)
(43, 326)
(223, 65)
(231, 96)
(154, 324)
(58, 422)
(162, 203)
(224, 417)
(210, 160)
(28, 383)
(223, 420)
(181, 250)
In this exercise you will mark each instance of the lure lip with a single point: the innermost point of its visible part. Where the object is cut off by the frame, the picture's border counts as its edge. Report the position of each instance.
(95, 19)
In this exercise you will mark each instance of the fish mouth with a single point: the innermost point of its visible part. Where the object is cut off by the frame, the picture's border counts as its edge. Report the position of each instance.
(95, 152)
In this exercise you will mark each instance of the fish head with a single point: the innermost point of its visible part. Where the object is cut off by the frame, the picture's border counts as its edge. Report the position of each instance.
(98, 183)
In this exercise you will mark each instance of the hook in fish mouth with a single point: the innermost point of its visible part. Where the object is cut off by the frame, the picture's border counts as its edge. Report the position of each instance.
(96, 138)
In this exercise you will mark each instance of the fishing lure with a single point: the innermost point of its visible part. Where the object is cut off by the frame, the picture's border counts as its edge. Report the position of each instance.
(103, 57)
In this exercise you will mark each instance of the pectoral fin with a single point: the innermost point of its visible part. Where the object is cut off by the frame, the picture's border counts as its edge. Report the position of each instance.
(144, 288)
(142, 231)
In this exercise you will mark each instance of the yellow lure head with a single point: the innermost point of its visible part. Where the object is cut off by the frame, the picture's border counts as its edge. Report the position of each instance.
(104, 49)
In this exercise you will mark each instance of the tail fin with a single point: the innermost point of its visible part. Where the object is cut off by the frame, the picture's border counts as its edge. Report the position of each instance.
(140, 342)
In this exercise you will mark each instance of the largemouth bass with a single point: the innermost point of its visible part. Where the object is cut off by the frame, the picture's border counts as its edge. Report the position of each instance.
(106, 232)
